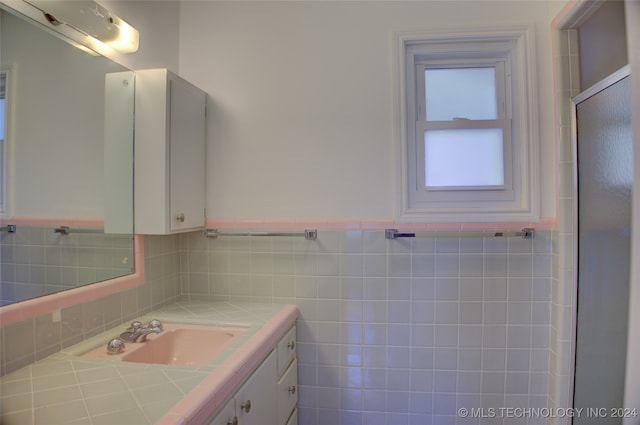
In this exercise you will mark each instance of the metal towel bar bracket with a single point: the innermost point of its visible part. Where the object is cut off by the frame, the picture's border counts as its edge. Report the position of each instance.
(525, 233)
(9, 228)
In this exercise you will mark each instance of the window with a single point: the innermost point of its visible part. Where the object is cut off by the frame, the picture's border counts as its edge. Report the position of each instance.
(467, 127)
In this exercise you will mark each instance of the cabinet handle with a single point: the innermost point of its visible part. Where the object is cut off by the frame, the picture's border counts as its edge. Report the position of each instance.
(180, 217)
(233, 421)
(246, 406)
(292, 389)
(291, 345)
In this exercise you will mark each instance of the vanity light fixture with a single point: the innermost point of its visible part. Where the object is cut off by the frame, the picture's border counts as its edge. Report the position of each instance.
(92, 19)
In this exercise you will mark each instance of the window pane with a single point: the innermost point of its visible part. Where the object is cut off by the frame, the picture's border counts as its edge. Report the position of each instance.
(460, 93)
(464, 157)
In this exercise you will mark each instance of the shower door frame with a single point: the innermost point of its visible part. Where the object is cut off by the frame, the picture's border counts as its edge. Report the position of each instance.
(601, 85)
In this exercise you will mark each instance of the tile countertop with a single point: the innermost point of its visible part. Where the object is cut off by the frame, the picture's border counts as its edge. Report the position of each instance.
(71, 390)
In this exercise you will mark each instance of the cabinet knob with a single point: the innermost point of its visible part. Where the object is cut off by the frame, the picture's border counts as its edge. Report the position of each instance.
(291, 345)
(292, 389)
(233, 421)
(180, 217)
(246, 406)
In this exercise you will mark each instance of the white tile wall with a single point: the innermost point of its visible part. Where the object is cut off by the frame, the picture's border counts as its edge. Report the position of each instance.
(400, 331)
(391, 332)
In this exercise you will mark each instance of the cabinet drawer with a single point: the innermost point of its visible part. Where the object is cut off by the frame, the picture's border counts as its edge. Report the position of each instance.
(287, 393)
(286, 350)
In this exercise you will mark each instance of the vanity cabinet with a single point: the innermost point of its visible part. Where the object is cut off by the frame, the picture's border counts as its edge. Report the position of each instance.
(170, 140)
(270, 395)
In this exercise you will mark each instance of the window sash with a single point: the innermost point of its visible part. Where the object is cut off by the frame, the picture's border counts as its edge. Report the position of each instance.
(428, 192)
(503, 98)
(503, 121)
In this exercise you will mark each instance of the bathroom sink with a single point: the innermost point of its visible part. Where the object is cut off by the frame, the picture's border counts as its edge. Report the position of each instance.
(177, 344)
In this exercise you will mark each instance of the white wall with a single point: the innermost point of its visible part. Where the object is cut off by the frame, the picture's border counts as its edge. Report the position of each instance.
(301, 119)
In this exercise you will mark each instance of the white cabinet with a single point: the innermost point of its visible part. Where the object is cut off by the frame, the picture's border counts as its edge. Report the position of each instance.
(269, 396)
(170, 140)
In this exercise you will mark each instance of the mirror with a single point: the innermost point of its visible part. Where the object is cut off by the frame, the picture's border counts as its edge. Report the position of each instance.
(68, 193)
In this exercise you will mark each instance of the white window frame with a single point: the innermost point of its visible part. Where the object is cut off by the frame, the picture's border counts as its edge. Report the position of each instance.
(510, 49)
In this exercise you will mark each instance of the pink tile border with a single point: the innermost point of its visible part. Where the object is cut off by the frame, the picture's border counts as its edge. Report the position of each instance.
(364, 224)
(55, 221)
(199, 404)
(38, 306)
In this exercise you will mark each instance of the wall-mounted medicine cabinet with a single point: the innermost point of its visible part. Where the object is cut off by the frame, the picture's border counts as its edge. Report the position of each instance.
(170, 140)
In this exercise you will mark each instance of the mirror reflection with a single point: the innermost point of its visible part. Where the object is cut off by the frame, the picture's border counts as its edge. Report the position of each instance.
(67, 177)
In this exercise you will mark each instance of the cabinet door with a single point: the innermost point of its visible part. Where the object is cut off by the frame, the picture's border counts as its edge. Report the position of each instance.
(257, 399)
(151, 178)
(187, 150)
(226, 415)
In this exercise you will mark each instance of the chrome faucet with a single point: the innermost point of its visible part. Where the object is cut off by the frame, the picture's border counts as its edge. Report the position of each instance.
(138, 333)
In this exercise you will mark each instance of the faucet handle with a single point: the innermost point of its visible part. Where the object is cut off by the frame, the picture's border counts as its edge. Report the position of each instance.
(135, 326)
(115, 346)
(155, 323)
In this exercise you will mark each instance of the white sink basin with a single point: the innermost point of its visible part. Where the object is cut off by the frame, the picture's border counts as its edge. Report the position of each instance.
(177, 344)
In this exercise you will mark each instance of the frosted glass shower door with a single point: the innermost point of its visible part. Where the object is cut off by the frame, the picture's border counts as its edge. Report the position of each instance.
(605, 176)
